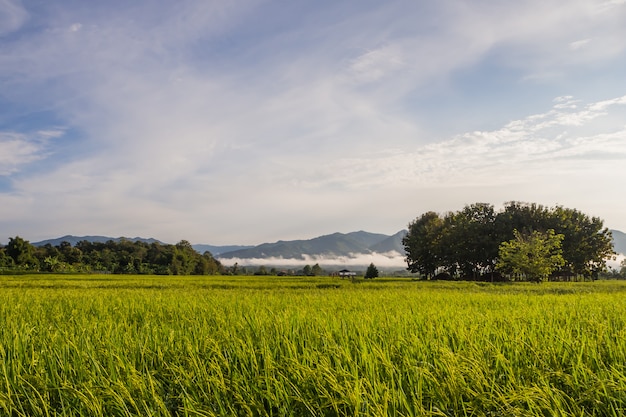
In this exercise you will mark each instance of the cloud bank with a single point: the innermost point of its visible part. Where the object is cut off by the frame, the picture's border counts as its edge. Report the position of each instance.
(382, 260)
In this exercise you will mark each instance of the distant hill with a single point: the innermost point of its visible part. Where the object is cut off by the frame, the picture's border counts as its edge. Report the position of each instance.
(328, 246)
(391, 244)
(619, 241)
(73, 240)
(218, 250)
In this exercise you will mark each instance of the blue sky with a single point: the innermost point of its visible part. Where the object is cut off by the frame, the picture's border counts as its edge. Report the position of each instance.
(249, 121)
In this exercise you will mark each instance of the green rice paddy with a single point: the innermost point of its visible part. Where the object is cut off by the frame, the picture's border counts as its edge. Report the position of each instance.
(109, 345)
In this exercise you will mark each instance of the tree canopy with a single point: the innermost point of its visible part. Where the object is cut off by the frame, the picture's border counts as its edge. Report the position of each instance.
(371, 272)
(123, 257)
(467, 244)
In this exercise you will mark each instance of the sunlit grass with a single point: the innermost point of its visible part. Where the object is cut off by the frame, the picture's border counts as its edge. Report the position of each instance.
(211, 346)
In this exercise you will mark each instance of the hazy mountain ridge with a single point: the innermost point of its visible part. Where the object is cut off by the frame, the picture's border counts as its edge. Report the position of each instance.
(392, 243)
(73, 240)
(333, 245)
(218, 250)
(619, 241)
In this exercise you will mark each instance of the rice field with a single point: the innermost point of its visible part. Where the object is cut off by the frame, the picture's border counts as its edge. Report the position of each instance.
(267, 346)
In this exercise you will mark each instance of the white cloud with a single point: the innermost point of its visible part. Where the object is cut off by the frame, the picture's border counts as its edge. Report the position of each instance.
(51, 133)
(17, 150)
(579, 44)
(12, 16)
(498, 157)
(376, 64)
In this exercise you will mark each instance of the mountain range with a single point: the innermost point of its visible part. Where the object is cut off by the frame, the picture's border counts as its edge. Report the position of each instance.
(73, 240)
(333, 246)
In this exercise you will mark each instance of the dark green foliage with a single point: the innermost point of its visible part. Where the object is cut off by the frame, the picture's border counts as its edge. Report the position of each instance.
(22, 253)
(123, 257)
(5, 260)
(317, 270)
(372, 272)
(465, 244)
(470, 238)
(425, 253)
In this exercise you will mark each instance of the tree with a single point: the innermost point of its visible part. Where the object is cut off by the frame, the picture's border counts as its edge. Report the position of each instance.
(22, 253)
(52, 264)
(586, 243)
(422, 244)
(5, 259)
(470, 241)
(523, 217)
(534, 256)
(213, 265)
(317, 270)
(371, 272)
(185, 259)
(307, 270)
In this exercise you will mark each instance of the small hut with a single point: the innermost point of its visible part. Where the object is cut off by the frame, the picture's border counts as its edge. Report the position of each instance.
(345, 273)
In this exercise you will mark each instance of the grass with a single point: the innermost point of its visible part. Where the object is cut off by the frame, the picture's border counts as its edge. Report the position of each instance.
(283, 346)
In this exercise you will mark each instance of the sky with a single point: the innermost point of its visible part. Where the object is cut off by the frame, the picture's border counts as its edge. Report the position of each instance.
(251, 121)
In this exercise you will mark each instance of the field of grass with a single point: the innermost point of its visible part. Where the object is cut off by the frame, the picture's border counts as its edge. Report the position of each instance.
(254, 346)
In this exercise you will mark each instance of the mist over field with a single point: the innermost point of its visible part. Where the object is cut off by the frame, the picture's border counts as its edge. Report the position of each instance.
(383, 260)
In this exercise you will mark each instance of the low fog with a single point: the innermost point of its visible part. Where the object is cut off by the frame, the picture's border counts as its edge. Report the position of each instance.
(383, 260)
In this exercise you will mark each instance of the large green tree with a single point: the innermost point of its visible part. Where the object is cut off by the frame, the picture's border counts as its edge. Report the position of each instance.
(422, 244)
(470, 237)
(586, 242)
(22, 253)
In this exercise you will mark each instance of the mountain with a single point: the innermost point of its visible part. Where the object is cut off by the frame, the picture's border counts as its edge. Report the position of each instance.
(218, 250)
(619, 241)
(391, 244)
(73, 240)
(334, 245)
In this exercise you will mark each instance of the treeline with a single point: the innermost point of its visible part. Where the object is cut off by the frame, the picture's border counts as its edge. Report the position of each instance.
(121, 257)
(468, 244)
